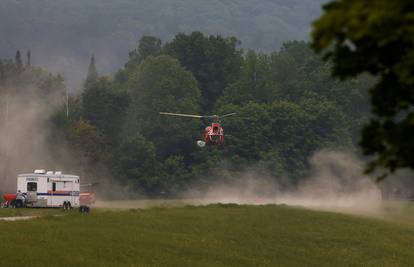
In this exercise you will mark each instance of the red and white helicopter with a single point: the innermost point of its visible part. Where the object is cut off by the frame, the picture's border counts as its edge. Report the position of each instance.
(213, 134)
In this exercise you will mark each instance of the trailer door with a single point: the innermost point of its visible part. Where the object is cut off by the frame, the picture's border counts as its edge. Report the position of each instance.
(72, 198)
(31, 195)
(52, 195)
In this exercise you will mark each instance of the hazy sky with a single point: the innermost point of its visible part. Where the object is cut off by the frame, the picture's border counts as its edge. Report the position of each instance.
(62, 34)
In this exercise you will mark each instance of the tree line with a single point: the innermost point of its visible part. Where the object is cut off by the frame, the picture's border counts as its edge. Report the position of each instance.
(288, 107)
(288, 104)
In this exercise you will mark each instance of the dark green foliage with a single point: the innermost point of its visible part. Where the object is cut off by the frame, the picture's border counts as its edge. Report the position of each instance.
(136, 160)
(255, 82)
(87, 138)
(288, 107)
(92, 72)
(148, 46)
(375, 37)
(161, 84)
(105, 107)
(18, 60)
(29, 56)
(215, 62)
(284, 132)
(2, 73)
(64, 117)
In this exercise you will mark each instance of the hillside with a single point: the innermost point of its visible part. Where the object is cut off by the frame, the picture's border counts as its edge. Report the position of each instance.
(63, 34)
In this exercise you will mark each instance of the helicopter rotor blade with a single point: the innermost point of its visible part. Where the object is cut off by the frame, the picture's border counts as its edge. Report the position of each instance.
(182, 115)
(228, 115)
(197, 116)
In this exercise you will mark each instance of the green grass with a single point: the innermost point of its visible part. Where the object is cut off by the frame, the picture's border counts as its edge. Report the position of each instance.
(9, 212)
(214, 235)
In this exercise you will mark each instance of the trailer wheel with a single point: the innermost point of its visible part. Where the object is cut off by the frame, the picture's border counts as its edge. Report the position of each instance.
(18, 204)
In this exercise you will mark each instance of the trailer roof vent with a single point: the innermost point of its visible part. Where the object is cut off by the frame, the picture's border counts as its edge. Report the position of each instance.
(49, 172)
(58, 172)
(40, 171)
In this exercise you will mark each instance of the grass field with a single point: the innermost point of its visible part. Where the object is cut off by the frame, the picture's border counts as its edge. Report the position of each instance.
(213, 235)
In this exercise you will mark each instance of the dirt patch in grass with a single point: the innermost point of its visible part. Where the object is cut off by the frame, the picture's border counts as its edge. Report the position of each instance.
(17, 218)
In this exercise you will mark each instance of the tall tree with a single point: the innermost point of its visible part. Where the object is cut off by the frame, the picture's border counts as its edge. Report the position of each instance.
(162, 84)
(2, 72)
(376, 37)
(254, 84)
(215, 62)
(29, 58)
(88, 140)
(18, 60)
(92, 72)
(148, 46)
(137, 162)
(104, 106)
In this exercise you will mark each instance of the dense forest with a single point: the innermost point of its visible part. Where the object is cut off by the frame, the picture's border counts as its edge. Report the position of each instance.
(288, 107)
(63, 34)
(287, 103)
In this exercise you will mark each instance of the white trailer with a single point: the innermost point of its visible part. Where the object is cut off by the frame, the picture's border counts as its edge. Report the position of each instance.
(49, 189)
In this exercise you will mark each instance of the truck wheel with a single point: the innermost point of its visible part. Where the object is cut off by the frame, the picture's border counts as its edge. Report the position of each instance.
(68, 205)
(84, 209)
(65, 205)
(18, 204)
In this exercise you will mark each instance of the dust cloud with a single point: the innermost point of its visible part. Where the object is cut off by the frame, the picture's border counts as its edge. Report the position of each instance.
(335, 183)
(25, 142)
(22, 134)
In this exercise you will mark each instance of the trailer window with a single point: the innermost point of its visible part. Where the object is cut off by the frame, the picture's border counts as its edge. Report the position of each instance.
(31, 186)
(53, 187)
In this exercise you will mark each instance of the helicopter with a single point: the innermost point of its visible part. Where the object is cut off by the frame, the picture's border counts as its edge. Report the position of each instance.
(213, 134)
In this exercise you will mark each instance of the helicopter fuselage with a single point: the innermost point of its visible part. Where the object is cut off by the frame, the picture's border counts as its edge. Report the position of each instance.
(214, 134)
